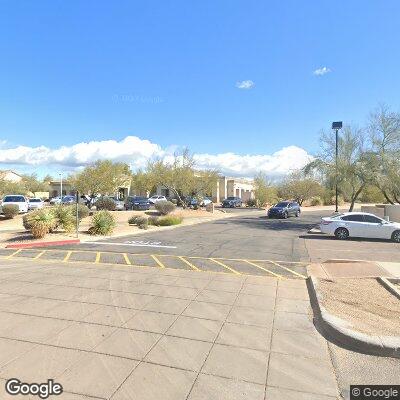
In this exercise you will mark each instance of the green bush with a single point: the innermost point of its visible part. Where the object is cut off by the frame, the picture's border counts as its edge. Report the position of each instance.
(153, 220)
(105, 203)
(164, 207)
(10, 210)
(316, 201)
(251, 203)
(142, 222)
(132, 220)
(103, 223)
(65, 218)
(170, 220)
(40, 222)
(83, 211)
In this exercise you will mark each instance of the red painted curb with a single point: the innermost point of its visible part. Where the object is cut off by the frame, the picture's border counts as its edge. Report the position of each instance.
(42, 244)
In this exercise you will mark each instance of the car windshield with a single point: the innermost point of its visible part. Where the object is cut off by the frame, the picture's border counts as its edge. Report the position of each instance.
(139, 199)
(282, 204)
(231, 198)
(34, 200)
(13, 199)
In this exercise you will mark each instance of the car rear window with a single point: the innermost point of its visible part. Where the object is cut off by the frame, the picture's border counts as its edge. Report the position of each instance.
(353, 218)
(14, 199)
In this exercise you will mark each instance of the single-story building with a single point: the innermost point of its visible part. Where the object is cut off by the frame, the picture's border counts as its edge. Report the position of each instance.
(225, 187)
(10, 176)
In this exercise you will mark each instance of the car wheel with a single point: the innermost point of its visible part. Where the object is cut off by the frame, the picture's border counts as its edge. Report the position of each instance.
(285, 215)
(396, 236)
(341, 233)
(297, 213)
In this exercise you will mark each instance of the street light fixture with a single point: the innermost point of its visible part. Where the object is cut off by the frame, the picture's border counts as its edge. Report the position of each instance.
(336, 126)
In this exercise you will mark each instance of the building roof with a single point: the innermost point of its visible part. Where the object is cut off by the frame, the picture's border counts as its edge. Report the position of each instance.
(6, 171)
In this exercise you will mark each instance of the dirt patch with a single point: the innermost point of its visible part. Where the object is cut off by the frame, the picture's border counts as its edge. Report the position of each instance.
(364, 303)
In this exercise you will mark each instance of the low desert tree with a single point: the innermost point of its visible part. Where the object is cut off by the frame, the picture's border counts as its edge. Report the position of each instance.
(354, 169)
(384, 135)
(299, 187)
(264, 192)
(101, 178)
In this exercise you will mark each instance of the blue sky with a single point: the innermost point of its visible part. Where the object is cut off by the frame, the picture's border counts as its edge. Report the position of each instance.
(167, 72)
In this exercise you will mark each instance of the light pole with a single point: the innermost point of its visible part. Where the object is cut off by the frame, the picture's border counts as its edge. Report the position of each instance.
(336, 126)
(60, 186)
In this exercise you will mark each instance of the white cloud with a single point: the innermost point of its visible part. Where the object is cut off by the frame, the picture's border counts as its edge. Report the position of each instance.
(321, 71)
(245, 84)
(137, 152)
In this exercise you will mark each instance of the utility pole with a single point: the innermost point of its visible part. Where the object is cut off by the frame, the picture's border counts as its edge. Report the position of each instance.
(61, 195)
(336, 126)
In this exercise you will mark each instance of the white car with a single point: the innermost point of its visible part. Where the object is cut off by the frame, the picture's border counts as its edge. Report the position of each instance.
(55, 200)
(35, 203)
(18, 200)
(156, 198)
(362, 225)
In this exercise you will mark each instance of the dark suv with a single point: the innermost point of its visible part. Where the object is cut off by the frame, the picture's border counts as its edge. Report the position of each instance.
(284, 209)
(232, 202)
(137, 203)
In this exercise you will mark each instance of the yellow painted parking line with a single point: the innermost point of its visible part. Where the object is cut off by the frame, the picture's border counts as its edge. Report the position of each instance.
(98, 255)
(225, 266)
(39, 255)
(288, 269)
(127, 260)
(260, 267)
(13, 254)
(67, 256)
(160, 264)
(189, 263)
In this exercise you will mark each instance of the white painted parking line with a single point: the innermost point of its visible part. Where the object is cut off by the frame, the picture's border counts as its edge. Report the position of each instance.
(133, 244)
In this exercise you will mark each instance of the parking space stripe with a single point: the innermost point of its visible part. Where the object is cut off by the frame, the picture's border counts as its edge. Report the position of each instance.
(127, 260)
(13, 254)
(189, 263)
(39, 255)
(67, 256)
(98, 255)
(288, 269)
(159, 263)
(264, 269)
(225, 266)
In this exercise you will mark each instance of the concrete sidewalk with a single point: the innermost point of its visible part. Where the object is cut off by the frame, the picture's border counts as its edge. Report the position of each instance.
(121, 332)
(354, 269)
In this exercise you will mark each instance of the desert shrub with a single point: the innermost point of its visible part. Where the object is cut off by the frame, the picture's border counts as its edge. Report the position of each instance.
(40, 222)
(83, 211)
(65, 218)
(174, 201)
(10, 210)
(251, 203)
(164, 207)
(103, 223)
(105, 203)
(132, 220)
(316, 201)
(170, 220)
(153, 220)
(142, 222)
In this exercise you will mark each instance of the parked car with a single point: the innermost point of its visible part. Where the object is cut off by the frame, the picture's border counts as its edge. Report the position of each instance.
(232, 202)
(18, 200)
(363, 225)
(137, 203)
(119, 204)
(55, 200)
(193, 202)
(284, 209)
(35, 203)
(68, 200)
(154, 199)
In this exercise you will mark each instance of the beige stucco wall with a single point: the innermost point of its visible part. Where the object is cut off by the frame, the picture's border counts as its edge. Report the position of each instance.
(393, 212)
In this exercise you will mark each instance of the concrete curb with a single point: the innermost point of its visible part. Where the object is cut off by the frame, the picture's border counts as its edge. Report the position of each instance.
(42, 244)
(337, 329)
(386, 282)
